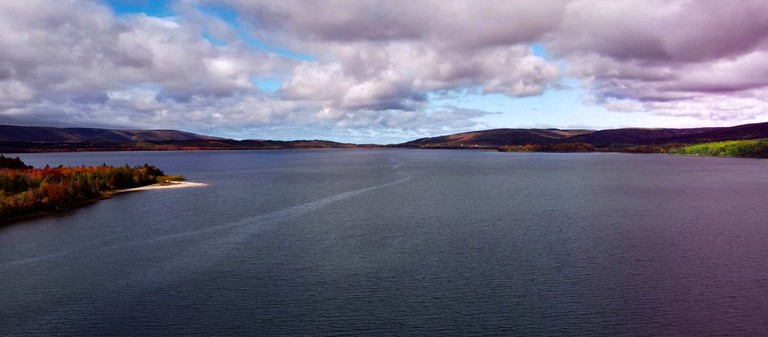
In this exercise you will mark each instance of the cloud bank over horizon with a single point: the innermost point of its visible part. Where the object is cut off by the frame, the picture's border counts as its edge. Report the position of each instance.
(363, 70)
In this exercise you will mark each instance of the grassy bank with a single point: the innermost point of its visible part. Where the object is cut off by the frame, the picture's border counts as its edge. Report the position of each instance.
(753, 148)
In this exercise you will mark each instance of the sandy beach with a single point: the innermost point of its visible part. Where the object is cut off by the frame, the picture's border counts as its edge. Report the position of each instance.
(175, 184)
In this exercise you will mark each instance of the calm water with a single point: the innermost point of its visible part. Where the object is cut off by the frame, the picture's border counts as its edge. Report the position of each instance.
(399, 242)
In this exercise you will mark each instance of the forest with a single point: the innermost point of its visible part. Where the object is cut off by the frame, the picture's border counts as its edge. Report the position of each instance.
(563, 147)
(25, 190)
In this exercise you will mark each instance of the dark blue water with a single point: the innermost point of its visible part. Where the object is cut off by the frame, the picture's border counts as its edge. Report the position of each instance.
(399, 242)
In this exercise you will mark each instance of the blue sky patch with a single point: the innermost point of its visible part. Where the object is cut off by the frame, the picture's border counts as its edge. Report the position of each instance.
(157, 8)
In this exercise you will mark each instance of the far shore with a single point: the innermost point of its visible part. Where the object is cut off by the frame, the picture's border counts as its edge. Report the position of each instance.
(161, 186)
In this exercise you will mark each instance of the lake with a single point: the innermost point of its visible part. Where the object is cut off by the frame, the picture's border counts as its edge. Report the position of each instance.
(400, 242)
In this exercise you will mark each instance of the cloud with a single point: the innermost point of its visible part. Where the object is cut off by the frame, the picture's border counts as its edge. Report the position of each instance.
(384, 56)
(399, 75)
(60, 66)
(446, 23)
(704, 59)
(376, 54)
(373, 66)
(440, 44)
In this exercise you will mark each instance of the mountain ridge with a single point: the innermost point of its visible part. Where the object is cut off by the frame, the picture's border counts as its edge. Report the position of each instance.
(14, 133)
(608, 138)
(51, 139)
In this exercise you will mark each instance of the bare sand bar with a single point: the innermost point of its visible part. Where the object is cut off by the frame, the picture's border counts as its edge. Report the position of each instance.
(175, 184)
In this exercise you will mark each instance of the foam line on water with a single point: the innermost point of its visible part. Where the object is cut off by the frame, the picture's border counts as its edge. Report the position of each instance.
(244, 226)
(243, 229)
(165, 271)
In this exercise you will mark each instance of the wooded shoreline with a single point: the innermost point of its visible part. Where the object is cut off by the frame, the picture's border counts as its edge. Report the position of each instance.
(29, 192)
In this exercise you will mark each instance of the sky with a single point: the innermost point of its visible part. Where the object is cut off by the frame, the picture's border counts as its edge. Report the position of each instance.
(382, 72)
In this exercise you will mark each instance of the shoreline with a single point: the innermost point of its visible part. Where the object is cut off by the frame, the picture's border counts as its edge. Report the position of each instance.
(161, 186)
(106, 195)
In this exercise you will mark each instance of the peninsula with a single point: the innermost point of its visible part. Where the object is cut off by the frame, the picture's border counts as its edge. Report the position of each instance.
(26, 191)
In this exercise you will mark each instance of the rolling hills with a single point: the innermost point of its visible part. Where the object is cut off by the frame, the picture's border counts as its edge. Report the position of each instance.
(12, 133)
(50, 139)
(611, 139)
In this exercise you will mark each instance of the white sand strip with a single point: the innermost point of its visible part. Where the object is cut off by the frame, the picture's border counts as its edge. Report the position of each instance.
(174, 184)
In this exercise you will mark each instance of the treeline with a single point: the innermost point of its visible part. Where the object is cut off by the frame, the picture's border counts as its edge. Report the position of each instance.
(752, 148)
(29, 190)
(12, 163)
(564, 147)
(170, 145)
(748, 148)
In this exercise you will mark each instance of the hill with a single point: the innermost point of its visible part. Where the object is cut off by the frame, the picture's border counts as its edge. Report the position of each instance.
(15, 139)
(612, 139)
(495, 138)
(12, 133)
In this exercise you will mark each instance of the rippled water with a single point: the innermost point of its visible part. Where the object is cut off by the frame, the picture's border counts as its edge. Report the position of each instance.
(400, 242)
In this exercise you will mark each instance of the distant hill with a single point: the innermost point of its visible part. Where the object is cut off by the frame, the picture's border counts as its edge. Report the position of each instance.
(495, 138)
(635, 136)
(740, 132)
(11, 133)
(48, 139)
(612, 138)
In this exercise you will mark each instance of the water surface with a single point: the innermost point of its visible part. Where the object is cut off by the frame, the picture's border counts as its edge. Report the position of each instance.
(400, 242)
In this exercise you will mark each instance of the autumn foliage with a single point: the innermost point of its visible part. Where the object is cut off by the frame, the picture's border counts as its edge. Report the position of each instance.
(562, 147)
(29, 190)
(12, 163)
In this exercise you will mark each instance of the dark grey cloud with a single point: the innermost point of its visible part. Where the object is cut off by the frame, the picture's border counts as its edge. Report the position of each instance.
(451, 22)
